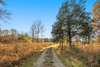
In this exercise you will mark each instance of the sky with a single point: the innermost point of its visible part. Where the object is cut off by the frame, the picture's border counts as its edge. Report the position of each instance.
(25, 12)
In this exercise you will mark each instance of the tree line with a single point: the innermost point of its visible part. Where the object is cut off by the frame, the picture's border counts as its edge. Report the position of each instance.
(72, 20)
(36, 28)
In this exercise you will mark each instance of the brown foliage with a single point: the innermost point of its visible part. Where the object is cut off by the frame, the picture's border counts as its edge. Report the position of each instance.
(16, 52)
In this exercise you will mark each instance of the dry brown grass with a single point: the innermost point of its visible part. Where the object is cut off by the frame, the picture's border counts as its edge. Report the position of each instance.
(90, 48)
(89, 54)
(15, 52)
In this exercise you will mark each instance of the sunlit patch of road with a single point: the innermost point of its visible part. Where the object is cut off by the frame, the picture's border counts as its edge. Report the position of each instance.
(52, 45)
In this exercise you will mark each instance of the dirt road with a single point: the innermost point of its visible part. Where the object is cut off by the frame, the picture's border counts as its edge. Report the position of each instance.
(48, 59)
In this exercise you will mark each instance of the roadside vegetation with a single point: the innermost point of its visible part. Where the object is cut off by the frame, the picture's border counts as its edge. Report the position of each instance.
(13, 54)
(80, 56)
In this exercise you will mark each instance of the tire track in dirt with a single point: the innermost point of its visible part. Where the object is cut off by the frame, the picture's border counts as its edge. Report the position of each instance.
(48, 59)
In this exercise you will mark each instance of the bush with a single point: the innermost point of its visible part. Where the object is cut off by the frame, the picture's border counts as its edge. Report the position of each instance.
(24, 37)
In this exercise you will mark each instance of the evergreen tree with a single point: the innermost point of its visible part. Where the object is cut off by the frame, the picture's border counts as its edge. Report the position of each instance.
(58, 29)
(70, 20)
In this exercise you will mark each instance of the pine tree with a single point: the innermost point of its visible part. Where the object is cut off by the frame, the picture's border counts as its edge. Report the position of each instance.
(58, 29)
(70, 20)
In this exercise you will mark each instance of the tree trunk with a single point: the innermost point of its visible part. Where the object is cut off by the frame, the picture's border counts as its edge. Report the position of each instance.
(69, 34)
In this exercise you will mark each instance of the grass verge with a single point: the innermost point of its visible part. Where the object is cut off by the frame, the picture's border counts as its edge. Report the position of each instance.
(30, 61)
(69, 60)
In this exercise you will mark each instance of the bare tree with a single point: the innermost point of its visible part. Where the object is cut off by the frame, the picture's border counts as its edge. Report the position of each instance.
(33, 29)
(13, 32)
(6, 32)
(4, 14)
(37, 30)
